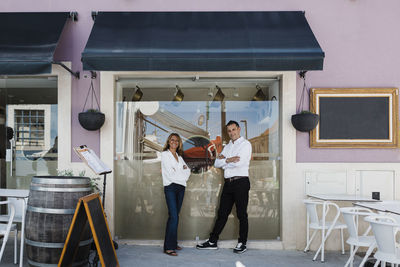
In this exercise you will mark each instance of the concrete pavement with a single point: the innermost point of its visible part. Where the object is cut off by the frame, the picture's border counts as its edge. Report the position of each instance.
(152, 256)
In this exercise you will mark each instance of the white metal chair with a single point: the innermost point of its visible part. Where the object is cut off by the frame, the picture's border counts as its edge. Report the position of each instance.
(19, 209)
(5, 229)
(326, 227)
(351, 217)
(385, 229)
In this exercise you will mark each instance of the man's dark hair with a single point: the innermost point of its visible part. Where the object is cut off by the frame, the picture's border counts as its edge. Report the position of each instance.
(233, 122)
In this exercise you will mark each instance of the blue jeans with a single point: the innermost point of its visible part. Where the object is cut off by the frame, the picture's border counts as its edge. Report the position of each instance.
(174, 196)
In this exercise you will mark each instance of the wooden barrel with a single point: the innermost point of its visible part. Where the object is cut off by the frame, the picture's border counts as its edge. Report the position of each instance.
(51, 206)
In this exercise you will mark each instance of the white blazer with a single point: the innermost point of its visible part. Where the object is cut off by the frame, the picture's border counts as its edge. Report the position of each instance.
(172, 170)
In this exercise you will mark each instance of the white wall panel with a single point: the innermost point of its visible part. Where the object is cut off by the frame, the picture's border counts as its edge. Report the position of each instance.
(326, 182)
(382, 181)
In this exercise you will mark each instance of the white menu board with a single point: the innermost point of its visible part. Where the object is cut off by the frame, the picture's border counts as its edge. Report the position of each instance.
(88, 156)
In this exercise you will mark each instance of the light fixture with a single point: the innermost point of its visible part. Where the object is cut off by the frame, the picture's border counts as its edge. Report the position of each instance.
(178, 95)
(210, 92)
(219, 96)
(137, 95)
(235, 92)
(259, 96)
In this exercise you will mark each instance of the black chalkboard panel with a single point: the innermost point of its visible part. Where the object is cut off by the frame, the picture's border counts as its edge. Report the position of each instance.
(74, 236)
(100, 232)
(355, 117)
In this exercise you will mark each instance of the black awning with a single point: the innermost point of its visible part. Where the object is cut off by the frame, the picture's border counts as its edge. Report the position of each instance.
(28, 41)
(202, 41)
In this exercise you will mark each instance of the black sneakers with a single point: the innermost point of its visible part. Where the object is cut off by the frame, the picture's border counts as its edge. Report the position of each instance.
(207, 245)
(240, 248)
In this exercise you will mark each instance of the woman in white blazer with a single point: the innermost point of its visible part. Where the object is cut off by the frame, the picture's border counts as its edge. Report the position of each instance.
(175, 173)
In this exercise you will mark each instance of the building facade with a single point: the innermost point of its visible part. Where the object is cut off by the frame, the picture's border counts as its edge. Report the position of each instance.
(359, 40)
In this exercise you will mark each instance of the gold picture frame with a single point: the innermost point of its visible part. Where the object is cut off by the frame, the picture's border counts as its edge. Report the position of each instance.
(334, 104)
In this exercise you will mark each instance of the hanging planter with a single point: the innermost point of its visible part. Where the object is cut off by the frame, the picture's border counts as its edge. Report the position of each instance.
(304, 120)
(91, 119)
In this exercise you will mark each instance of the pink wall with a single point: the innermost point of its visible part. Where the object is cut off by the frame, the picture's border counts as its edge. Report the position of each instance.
(360, 39)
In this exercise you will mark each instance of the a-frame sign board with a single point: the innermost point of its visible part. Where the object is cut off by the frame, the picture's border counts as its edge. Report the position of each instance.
(89, 208)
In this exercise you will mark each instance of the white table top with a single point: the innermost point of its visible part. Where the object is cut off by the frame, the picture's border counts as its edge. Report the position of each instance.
(342, 197)
(383, 206)
(17, 193)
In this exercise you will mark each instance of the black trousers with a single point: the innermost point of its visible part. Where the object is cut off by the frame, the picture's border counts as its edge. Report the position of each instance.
(235, 192)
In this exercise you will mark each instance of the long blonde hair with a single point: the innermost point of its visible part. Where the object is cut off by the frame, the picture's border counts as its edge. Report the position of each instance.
(179, 149)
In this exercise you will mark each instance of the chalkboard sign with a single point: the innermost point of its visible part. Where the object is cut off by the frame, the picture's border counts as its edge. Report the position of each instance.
(89, 209)
(355, 117)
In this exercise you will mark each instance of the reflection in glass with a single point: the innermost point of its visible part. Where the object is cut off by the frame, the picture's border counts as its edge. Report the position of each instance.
(141, 131)
(31, 119)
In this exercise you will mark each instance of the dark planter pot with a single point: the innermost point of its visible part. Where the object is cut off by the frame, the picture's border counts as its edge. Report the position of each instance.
(91, 121)
(305, 122)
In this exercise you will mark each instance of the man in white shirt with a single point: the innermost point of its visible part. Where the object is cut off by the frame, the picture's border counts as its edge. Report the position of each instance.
(234, 160)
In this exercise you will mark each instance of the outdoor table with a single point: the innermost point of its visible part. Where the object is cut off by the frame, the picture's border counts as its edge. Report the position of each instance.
(382, 206)
(342, 197)
(333, 197)
(19, 194)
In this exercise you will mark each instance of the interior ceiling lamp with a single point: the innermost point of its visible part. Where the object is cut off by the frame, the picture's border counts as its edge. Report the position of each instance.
(259, 96)
(178, 95)
(219, 96)
(235, 92)
(210, 92)
(137, 95)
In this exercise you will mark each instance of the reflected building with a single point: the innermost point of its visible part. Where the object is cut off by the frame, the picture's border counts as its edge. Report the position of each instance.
(32, 116)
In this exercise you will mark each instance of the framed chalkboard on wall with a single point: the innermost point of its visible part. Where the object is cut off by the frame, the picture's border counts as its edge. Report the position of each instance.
(355, 117)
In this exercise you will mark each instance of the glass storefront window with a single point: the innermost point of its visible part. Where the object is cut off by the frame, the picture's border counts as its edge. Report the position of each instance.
(30, 139)
(142, 128)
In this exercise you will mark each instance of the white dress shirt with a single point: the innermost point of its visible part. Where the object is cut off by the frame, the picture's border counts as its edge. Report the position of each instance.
(241, 148)
(172, 170)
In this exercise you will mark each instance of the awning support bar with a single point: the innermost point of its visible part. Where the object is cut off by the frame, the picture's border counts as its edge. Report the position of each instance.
(94, 15)
(73, 15)
(75, 74)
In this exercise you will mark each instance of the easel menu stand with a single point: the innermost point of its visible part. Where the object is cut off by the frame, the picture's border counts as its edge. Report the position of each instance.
(89, 210)
(90, 158)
